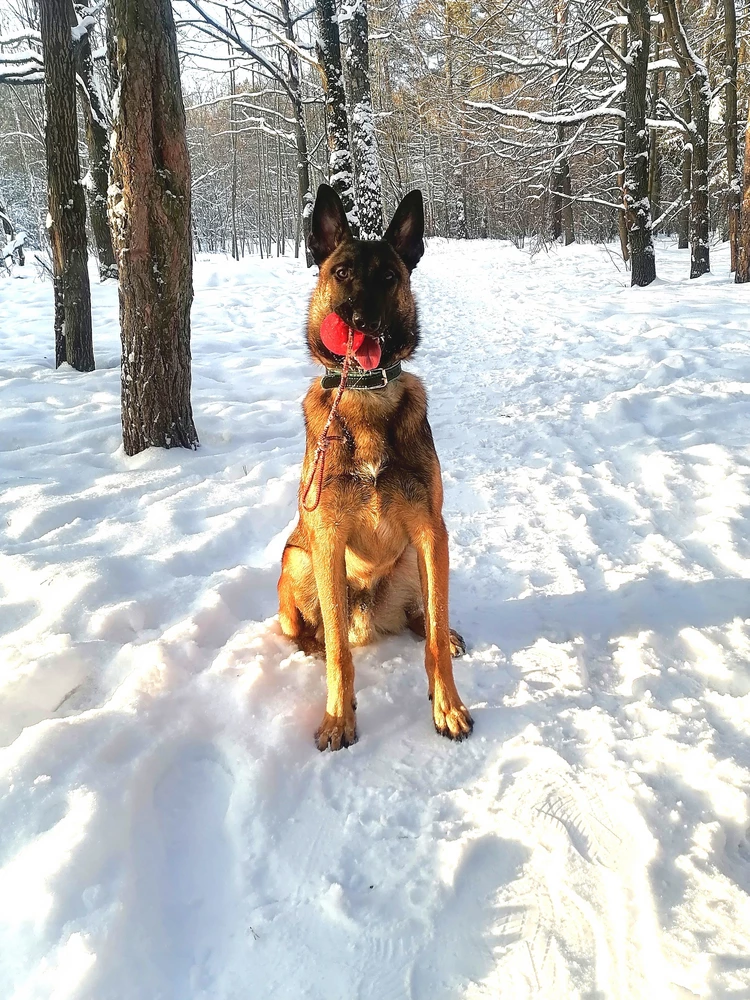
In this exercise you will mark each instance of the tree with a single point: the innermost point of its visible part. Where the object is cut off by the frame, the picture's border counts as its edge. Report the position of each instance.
(337, 125)
(67, 206)
(730, 128)
(364, 142)
(149, 209)
(278, 28)
(562, 206)
(695, 73)
(635, 191)
(97, 140)
(742, 273)
(14, 246)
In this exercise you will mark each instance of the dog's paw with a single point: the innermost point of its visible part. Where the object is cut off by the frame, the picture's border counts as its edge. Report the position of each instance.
(458, 646)
(336, 731)
(454, 722)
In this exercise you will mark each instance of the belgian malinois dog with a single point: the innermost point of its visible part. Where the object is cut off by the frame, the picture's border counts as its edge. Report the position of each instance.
(369, 555)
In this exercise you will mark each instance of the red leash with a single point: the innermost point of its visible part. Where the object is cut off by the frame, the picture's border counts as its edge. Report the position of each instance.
(319, 464)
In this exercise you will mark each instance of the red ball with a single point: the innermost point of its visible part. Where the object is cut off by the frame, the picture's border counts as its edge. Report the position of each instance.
(334, 333)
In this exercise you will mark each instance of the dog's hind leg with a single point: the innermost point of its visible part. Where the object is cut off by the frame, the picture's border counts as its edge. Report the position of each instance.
(417, 625)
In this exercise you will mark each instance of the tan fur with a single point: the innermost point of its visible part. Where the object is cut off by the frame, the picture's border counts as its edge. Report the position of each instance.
(372, 558)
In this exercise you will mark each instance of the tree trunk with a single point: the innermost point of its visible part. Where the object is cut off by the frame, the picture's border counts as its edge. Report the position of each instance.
(364, 143)
(683, 217)
(6, 224)
(622, 225)
(97, 142)
(300, 131)
(233, 144)
(67, 206)
(635, 190)
(742, 274)
(694, 72)
(340, 167)
(699, 207)
(654, 171)
(730, 128)
(150, 213)
(562, 204)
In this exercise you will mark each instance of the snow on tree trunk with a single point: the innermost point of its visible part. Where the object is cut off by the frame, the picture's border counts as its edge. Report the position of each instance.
(300, 130)
(730, 127)
(341, 171)
(149, 204)
(699, 217)
(562, 203)
(696, 75)
(364, 143)
(97, 140)
(742, 274)
(66, 220)
(654, 166)
(635, 191)
(14, 246)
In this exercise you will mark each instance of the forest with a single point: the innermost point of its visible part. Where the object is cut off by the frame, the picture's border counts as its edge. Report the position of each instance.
(533, 122)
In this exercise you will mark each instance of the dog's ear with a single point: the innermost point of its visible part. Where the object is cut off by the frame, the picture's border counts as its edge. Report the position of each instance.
(329, 224)
(407, 229)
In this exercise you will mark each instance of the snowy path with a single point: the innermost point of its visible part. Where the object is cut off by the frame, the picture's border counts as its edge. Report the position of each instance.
(168, 830)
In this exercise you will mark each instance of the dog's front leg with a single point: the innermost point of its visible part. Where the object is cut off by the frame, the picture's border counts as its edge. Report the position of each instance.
(338, 728)
(449, 713)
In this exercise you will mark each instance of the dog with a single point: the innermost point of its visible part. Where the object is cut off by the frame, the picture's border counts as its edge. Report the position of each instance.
(369, 554)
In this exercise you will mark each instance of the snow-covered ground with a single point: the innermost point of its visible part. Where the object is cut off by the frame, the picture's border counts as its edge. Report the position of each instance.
(167, 828)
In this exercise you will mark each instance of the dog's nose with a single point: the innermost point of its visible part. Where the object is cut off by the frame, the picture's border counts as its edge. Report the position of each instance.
(364, 324)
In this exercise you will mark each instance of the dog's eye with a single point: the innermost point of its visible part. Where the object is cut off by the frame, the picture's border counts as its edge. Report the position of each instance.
(342, 273)
(389, 276)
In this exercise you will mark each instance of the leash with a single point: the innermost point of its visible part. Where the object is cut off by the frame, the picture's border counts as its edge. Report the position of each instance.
(319, 464)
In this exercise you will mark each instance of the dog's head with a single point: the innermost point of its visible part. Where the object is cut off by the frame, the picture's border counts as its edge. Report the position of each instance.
(366, 282)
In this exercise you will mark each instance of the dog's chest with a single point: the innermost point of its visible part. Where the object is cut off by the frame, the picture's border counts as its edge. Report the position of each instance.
(370, 458)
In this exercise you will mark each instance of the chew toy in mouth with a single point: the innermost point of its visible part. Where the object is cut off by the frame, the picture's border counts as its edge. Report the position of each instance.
(334, 333)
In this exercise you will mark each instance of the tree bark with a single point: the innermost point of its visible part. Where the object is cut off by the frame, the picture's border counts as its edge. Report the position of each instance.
(654, 171)
(562, 204)
(341, 172)
(635, 190)
(150, 212)
(67, 206)
(364, 144)
(300, 131)
(730, 128)
(97, 142)
(742, 274)
(6, 223)
(622, 225)
(696, 76)
(233, 144)
(686, 170)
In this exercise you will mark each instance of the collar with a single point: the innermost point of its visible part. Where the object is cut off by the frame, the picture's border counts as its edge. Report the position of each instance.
(378, 378)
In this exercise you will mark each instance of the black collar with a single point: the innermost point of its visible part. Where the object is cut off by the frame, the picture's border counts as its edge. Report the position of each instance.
(377, 378)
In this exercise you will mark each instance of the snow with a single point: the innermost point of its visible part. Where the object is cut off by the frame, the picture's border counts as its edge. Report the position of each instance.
(169, 829)
(13, 244)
